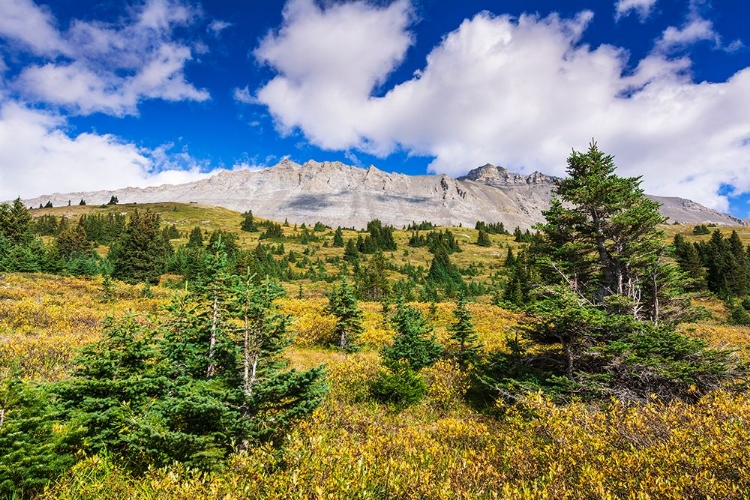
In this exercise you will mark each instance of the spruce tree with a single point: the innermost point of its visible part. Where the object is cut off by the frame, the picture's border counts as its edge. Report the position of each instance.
(343, 305)
(338, 237)
(414, 341)
(248, 222)
(464, 335)
(140, 253)
(483, 239)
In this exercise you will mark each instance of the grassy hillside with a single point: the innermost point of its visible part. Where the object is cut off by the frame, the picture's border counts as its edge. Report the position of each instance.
(354, 447)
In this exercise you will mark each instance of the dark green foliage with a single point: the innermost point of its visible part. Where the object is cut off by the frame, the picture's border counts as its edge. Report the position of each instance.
(227, 240)
(422, 226)
(72, 243)
(343, 305)
(725, 261)
(400, 386)
(701, 229)
(436, 241)
(414, 341)
(465, 343)
(103, 229)
(48, 204)
(338, 237)
(16, 223)
(689, 260)
(196, 238)
(46, 225)
(491, 228)
(483, 239)
(444, 274)
(34, 446)
(414, 347)
(598, 286)
(113, 200)
(520, 236)
(248, 222)
(372, 281)
(141, 253)
(738, 313)
(601, 236)
(380, 238)
(205, 379)
(273, 230)
(82, 202)
(170, 232)
(351, 253)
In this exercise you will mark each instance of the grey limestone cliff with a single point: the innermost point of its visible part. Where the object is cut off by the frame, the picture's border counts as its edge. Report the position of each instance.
(342, 195)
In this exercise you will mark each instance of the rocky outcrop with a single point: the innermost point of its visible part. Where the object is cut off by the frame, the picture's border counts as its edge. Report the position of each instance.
(342, 195)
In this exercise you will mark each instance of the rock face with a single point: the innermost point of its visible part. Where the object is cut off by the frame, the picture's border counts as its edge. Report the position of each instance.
(341, 195)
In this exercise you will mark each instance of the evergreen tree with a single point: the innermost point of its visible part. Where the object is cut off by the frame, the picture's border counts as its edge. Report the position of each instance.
(464, 335)
(145, 393)
(196, 238)
(140, 254)
(372, 281)
(338, 237)
(343, 305)
(248, 222)
(606, 294)
(605, 233)
(690, 262)
(483, 239)
(443, 273)
(16, 223)
(414, 341)
(351, 253)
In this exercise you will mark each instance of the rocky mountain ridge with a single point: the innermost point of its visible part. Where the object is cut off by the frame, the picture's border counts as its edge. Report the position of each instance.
(341, 195)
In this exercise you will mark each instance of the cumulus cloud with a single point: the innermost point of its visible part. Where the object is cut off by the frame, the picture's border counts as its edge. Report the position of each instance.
(98, 67)
(329, 61)
(38, 156)
(696, 29)
(642, 7)
(518, 92)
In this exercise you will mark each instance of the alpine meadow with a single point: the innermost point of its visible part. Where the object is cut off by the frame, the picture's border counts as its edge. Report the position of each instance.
(173, 350)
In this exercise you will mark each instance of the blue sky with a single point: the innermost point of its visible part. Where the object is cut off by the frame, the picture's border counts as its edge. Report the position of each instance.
(143, 93)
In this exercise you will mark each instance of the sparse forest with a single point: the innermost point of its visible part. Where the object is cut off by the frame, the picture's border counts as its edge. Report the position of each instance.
(177, 351)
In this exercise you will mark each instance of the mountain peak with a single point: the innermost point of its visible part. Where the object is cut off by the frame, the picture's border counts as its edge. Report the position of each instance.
(500, 176)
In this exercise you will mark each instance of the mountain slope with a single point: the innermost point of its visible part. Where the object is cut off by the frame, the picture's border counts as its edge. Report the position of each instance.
(341, 195)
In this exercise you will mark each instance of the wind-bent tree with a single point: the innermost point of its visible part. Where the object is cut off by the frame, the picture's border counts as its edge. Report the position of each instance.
(598, 284)
(601, 235)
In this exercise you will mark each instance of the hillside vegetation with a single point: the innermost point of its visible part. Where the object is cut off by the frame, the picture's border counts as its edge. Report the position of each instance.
(258, 359)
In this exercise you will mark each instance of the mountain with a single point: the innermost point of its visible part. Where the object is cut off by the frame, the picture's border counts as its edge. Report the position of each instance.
(342, 195)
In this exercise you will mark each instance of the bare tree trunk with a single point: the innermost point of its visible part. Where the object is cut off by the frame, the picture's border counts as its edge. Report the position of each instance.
(569, 358)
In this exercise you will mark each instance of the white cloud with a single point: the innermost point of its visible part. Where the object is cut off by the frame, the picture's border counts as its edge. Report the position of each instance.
(98, 67)
(329, 61)
(31, 26)
(217, 26)
(37, 156)
(696, 29)
(516, 92)
(642, 7)
(243, 95)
